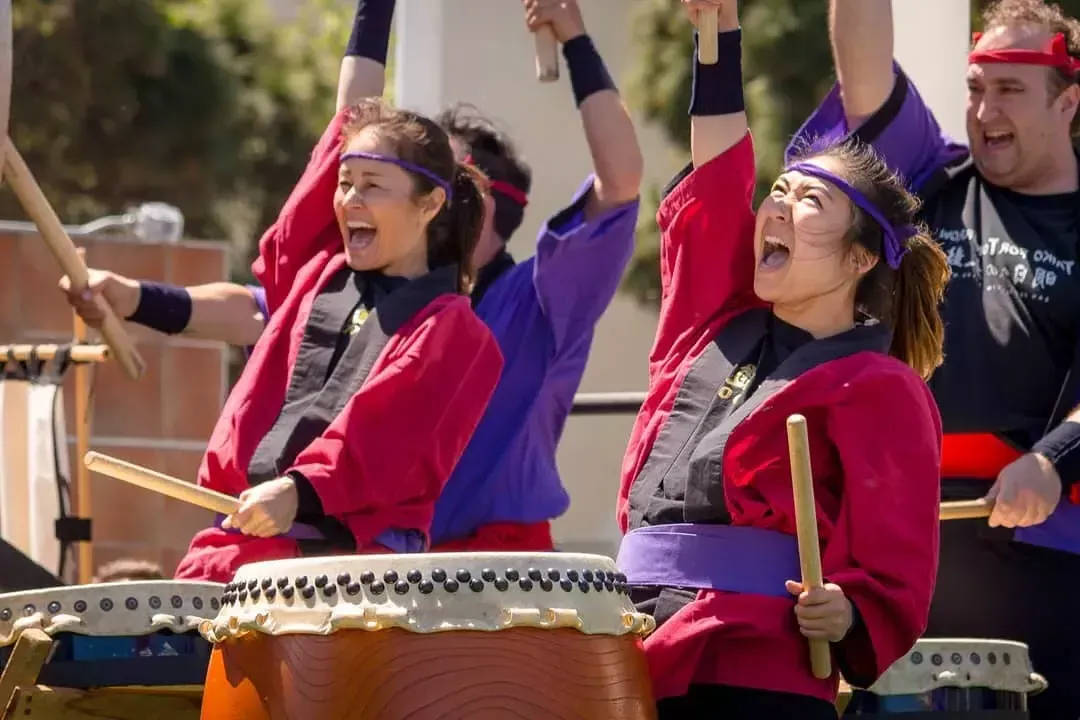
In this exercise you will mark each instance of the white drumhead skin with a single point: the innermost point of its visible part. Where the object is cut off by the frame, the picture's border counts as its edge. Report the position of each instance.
(427, 593)
(120, 609)
(960, 662)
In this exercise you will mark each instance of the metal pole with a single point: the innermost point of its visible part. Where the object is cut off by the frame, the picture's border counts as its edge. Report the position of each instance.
(614, 403)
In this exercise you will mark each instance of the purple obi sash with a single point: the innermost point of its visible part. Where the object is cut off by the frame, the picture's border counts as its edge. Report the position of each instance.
(398, 541)
(710, 557)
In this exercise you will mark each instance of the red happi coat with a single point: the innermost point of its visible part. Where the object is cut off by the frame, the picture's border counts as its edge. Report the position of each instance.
(383, 460)
(875, 443)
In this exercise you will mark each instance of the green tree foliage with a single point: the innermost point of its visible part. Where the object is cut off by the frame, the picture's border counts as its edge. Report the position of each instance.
(205, 104)
(787, 68)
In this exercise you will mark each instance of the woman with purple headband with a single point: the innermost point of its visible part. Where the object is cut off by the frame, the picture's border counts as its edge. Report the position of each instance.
(822, 303)
(373, 371)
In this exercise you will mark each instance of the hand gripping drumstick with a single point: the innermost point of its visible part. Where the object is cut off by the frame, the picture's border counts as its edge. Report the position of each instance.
(161, 483)
(708, 28)
(547, 55)
(806, 527)
(37, 207)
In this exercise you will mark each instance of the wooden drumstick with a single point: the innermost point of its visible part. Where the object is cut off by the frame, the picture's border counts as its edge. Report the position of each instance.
(966, 509)
(161, 483)
(708, 28)
(41, 212)
(802, 483)
(547, 55)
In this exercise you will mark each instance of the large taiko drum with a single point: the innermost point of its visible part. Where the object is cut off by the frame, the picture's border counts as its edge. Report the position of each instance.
(952, 676)
(482, 636)
(140, 633)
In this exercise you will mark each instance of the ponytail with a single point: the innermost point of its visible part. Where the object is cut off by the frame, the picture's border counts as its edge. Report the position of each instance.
(918, 289)
(454, 232)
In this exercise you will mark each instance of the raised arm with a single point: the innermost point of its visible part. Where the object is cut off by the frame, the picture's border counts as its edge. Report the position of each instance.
(706, 220)
(583, 250)
(363, 70)
(874, 100)
(717, 109)
(862, 42)
(398, 439)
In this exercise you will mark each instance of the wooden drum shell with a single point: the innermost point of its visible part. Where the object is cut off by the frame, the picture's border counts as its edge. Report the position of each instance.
(394, 674)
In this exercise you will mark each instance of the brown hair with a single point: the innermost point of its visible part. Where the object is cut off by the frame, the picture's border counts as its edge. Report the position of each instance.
(453, 233)
(1049, 16)
(128, 569)
(906, 299)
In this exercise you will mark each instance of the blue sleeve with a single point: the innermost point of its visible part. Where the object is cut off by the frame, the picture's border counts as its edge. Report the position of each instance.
(579, 263)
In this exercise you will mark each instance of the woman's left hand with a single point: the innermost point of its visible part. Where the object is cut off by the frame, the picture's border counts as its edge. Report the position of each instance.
(266, 510)
(823, 613)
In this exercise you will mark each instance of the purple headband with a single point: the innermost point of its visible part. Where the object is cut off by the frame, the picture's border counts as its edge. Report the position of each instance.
(404, 165)
(893, 243)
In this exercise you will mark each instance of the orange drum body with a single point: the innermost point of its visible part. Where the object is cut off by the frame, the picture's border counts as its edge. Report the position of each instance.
(477, 636)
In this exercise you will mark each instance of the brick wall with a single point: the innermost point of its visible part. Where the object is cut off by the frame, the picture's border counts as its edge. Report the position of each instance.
(161, 421)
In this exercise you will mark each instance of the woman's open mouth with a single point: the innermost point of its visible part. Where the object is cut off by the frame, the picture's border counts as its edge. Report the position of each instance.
(774, 254)
(361, 236)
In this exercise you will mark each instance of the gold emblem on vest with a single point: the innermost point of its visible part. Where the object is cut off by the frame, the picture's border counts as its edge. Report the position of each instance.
(737, 382)
(356, 320)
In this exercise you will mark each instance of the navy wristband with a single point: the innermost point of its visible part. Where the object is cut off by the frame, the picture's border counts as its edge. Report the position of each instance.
(588, 74)
(162, 307)
(370, 36)
(718, 89)
(1061, 446)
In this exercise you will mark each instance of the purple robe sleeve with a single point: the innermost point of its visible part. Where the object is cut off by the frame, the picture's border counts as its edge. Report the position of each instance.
(258, 293)
(579, 263)
(903, 131)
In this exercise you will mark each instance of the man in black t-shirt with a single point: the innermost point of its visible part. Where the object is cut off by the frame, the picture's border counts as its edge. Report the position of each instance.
(1005, 210)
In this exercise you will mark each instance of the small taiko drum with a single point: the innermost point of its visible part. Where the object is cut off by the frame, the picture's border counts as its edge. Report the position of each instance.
(482, 636)
(953, 676)
(139, 633)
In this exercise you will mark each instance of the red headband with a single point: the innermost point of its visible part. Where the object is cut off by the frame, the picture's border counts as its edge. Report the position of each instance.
(1057, 56)
(503, 188)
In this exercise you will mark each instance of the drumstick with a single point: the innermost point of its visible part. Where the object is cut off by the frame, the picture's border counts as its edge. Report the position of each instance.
(37, 207)
(708, 29)
(161, 483)
(802, 482)
(966, 509)
(547, 55)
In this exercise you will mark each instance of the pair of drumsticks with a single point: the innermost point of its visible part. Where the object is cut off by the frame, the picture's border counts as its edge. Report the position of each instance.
(547, 47)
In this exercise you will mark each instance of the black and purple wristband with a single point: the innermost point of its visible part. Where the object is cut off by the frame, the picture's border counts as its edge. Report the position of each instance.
(370, 36)
(588, 73)
(162, 307)
(718, 89)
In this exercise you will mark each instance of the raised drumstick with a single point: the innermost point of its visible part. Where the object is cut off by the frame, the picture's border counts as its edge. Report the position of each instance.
(965, 509)
(161, 483)
(547, 55)
(802, 483)
(28, 191)
(708, 28)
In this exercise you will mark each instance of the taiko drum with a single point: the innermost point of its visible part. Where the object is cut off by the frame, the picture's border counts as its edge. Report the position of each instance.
(429, 637)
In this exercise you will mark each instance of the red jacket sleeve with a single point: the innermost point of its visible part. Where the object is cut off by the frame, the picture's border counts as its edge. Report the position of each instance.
(884, 549)
(706, 248)
(397, 440)
(306, 225)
